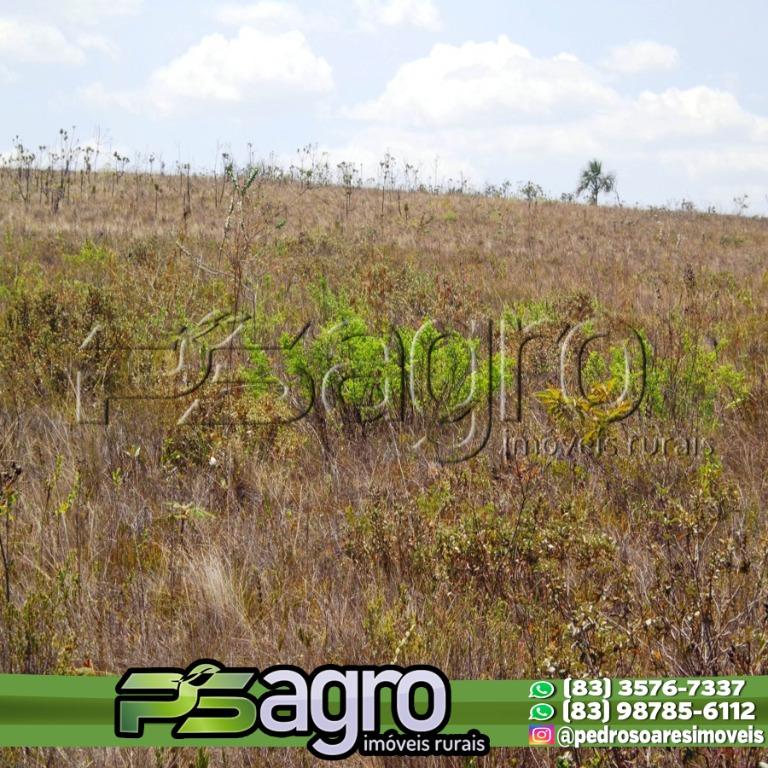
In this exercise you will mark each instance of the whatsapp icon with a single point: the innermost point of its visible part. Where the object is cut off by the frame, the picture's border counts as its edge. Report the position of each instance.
(542, 690)
(542, 712)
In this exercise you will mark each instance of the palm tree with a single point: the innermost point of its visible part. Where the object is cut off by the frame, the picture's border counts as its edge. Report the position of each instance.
(594, 181)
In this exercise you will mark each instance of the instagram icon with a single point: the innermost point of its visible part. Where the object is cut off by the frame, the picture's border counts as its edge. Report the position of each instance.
(541, 735)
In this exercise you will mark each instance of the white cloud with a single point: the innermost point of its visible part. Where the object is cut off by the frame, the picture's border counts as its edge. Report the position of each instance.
(692, 114)
(393, 13)
(94, 8)
(56, 31)
(502, 85)
(99, 96)
(258, 14)
(98, 43)
(36, 43)
(491, 80)
(228, 70)
(698, 164)
(494, 108)
(70, 11)
(641, 56)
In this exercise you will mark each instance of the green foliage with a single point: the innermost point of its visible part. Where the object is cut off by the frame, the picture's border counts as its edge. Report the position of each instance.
(587, 418)
(39, 635)
(594, 181)
(694, 387)
(363, 370)
(531, 192)
(89, 255)
(521, 314)
(42, 332)
(189, 511)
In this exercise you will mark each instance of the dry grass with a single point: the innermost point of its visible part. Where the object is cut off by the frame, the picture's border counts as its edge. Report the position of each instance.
(331, 542)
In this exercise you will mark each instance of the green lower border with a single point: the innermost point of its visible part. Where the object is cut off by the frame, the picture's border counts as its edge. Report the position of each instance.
(58, 711)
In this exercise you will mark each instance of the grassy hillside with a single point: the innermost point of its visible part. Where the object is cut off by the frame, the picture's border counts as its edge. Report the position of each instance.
(333, 539)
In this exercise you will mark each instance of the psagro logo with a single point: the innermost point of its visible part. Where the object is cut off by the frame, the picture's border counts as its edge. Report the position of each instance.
(338, 708)
(451, 388)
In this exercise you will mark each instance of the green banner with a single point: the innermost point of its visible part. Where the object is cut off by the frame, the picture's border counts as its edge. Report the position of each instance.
(54, 711)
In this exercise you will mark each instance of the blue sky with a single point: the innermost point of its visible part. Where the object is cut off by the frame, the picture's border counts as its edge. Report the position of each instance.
(669, 94)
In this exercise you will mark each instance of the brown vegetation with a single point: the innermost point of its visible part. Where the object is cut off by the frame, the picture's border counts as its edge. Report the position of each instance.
(147, 542)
